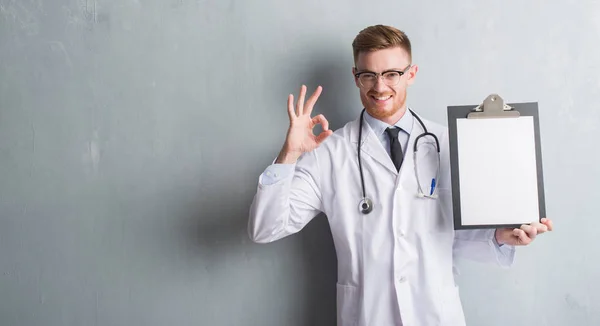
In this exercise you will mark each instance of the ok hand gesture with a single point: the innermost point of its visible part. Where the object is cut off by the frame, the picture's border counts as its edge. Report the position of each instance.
(300, 137)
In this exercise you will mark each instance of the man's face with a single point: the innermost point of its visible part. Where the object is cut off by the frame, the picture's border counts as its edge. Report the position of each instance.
(383, 101)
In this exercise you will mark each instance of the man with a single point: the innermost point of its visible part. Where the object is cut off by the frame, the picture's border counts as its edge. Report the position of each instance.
(396, 262)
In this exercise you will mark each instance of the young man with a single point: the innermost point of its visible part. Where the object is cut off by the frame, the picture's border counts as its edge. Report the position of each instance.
(396, 250)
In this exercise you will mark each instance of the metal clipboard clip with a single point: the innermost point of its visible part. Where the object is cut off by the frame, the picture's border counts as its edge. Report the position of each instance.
(493, 107)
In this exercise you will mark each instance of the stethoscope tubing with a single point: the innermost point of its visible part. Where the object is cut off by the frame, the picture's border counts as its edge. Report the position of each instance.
(366, 204)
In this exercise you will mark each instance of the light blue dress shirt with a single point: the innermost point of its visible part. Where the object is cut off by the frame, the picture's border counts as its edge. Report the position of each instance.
(276, 172)
(405, 124)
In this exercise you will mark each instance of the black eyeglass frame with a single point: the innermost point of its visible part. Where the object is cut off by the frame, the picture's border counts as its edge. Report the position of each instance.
(377, 74)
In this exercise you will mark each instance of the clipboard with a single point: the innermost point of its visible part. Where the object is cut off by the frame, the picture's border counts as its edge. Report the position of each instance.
(496, 164)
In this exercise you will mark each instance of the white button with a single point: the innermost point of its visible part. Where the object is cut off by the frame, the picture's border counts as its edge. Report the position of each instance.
(401, 233)
(275, 175)
(401, 279)
(269, 173)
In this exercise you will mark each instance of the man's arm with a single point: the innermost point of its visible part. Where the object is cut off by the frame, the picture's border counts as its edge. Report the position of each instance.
(481, 245)
(288, 194)
(287, 198)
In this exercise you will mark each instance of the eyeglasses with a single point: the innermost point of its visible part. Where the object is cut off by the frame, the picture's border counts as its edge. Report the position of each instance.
(367, 79)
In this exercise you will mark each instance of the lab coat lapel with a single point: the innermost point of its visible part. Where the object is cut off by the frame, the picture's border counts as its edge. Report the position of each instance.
(371, 145)
(407, 169)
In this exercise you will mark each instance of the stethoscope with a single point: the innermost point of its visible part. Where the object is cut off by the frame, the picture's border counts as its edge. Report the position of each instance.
(366, 204)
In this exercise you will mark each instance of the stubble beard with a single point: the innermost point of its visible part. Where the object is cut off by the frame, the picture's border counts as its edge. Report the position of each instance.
(383, 114)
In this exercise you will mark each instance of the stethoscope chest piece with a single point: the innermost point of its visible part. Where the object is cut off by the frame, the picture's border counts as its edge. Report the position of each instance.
(365, 206)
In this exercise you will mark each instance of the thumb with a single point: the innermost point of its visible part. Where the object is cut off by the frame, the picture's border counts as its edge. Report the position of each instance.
(323, 135)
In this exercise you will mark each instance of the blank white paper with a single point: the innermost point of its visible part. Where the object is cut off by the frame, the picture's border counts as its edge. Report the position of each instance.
(497, 171)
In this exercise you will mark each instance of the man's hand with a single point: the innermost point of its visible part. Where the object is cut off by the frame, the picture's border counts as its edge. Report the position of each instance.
(300, 137)
(523, 235)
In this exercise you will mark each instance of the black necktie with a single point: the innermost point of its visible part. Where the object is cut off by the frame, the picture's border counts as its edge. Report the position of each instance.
(395, 147)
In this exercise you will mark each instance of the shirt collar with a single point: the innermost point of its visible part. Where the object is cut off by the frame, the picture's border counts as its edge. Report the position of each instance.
(405, 123)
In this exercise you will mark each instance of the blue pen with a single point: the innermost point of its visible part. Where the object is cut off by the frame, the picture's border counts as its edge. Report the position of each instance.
(432, 186)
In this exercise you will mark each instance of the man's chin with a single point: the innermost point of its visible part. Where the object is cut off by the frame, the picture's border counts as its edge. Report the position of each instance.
(381, 112)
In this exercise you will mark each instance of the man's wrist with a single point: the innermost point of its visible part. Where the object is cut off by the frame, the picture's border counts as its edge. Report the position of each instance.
(287, 157)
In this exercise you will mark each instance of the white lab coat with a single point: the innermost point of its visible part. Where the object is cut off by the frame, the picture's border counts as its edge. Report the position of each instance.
(396, 266)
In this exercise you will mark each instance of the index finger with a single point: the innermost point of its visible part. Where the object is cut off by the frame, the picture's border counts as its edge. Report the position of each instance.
(312, 100)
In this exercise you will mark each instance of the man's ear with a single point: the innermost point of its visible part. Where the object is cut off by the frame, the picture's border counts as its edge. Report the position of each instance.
(412, 74)
(354, 71)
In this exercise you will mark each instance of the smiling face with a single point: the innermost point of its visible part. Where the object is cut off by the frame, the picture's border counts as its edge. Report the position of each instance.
(384, 97)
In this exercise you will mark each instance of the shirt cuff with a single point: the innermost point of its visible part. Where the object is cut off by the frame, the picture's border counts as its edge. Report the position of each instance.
(276, 172)
(505, 254)
(496, 240)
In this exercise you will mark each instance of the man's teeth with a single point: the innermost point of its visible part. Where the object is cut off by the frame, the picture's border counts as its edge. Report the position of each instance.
(382, 98)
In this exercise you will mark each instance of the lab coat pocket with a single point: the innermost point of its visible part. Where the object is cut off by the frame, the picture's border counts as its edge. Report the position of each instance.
(440, 214)
(431, 215)
(347, 305)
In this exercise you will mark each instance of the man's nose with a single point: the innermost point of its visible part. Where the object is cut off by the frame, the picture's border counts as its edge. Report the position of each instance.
(380, 85)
